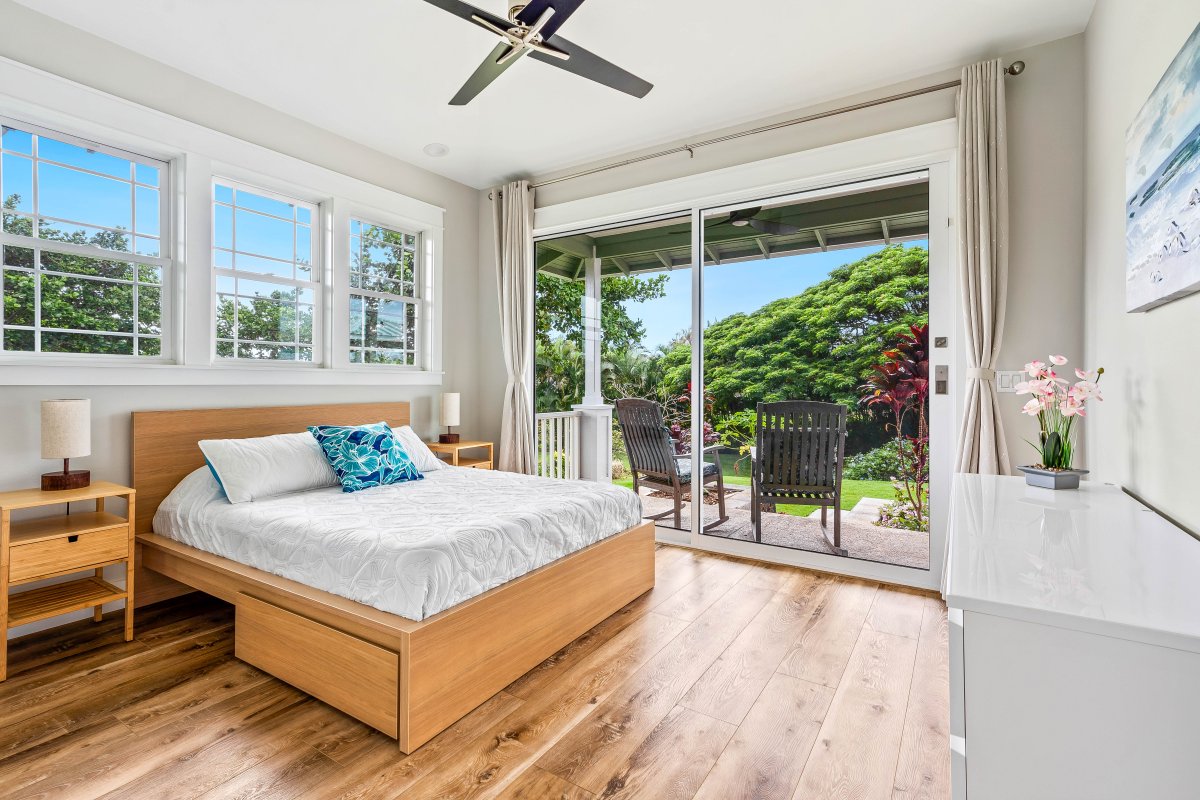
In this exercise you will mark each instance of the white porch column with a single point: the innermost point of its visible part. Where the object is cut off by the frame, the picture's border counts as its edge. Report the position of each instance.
(595, 441)
(592, 395)
(595, 422)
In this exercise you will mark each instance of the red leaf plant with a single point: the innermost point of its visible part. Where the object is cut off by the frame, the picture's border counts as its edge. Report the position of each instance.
(899, 387)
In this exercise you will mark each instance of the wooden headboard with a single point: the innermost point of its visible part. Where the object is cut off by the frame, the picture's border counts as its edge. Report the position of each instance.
(164, 442)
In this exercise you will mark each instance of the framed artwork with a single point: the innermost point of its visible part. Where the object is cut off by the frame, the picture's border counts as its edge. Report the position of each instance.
(1162, 182)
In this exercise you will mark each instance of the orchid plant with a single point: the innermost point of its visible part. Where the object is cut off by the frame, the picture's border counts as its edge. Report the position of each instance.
(1058, 404)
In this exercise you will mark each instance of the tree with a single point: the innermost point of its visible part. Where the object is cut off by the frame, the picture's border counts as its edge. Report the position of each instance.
(71, 300)
(558, 324)
(818, 345)
(558, 309)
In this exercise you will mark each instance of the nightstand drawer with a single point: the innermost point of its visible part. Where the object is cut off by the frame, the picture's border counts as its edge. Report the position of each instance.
(67, 553)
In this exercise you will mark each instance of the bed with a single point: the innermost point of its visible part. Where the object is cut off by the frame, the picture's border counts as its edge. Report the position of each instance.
(431, 612)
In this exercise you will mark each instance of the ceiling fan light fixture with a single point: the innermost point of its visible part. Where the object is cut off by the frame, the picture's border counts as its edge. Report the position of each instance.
(436, 150)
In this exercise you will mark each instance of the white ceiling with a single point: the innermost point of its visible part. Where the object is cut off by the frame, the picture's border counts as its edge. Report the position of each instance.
(380, 72)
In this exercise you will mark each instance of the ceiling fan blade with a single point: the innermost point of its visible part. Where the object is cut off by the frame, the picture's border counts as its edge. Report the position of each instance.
(488, 71)
(776, 228)
(562, 10)
(591, 66)
(465, 10)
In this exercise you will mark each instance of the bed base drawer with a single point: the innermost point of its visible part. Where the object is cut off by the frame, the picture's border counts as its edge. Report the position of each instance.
(350, 674)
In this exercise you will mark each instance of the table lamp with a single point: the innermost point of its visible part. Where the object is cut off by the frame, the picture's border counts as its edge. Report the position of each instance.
(66, 434)
(451, 408)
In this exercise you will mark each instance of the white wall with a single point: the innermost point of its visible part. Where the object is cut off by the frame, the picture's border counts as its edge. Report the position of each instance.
(54, 47)
(1046, 177)
(1144, 436)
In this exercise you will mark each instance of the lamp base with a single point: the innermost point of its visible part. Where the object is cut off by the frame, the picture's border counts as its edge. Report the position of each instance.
(74, 479)
(448, 438)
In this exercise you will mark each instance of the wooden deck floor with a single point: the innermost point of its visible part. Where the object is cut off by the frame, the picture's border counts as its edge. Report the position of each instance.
(729, 680)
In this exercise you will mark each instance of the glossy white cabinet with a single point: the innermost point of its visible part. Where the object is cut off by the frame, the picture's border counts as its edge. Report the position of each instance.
(1074, 645)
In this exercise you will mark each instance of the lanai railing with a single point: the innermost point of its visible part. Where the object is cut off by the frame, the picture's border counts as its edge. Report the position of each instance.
(558, 446)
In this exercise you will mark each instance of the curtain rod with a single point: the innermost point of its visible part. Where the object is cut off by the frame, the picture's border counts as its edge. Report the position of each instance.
(1016, 68)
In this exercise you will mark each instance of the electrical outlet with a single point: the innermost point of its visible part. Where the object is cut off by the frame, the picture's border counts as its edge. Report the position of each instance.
(1006, 382)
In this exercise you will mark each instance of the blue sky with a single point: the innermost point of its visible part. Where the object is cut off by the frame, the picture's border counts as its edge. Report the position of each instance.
(745, 286)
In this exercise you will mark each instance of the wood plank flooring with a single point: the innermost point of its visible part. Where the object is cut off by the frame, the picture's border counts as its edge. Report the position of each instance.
(730, 680)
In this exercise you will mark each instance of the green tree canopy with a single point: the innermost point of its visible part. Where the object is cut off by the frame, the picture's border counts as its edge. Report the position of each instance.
(817, 345)
(558, 322)
(70, 297)
(559, 309)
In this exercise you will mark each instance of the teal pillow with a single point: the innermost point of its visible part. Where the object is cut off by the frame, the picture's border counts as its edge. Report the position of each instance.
(363, 456)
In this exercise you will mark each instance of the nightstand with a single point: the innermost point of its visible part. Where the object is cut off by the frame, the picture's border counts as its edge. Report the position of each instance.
(453, 453)
(48, 547)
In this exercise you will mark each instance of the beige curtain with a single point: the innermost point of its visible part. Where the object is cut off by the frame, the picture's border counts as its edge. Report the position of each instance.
(512, 207)
(982, 260)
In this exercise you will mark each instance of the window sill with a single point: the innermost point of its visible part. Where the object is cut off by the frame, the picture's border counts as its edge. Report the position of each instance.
(110, 374)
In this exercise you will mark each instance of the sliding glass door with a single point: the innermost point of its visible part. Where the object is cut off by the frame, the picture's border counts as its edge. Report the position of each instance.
(760, 372)
(813, 392)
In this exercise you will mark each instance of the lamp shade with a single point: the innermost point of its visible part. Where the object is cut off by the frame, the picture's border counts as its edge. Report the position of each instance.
(451, 409)
(66, 428)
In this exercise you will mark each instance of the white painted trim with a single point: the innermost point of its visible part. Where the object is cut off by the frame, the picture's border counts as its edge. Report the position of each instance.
(119, 122)
(857, 160)
(109, 374)
(195, 155)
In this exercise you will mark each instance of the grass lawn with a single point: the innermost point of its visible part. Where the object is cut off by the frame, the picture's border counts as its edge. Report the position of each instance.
(852, 491)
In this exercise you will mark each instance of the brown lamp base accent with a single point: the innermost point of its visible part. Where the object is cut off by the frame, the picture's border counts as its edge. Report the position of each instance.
(448, 438)
(73, 479)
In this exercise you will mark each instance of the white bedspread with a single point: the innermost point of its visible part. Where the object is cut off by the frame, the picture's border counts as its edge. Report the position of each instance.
(411, 549)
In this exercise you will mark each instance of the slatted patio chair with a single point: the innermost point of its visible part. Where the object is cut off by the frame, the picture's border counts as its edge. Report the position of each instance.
(654, 462)
(799, 447)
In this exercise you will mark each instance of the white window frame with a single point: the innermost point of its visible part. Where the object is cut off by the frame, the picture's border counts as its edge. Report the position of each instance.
(37, 244)
(195, 155)
(420, 312)
(428, 282)
(319, 283)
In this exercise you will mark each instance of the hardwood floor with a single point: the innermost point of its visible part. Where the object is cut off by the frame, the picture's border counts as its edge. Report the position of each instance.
(729, 680)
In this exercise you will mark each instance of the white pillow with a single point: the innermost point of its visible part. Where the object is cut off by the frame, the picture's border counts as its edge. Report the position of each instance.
(265, 466)
(422, 457)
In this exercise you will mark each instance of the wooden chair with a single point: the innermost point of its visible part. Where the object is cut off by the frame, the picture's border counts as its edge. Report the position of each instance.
(654, 462)
(799, 448)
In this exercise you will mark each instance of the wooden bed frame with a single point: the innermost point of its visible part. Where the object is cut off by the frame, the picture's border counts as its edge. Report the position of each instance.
(409, 679)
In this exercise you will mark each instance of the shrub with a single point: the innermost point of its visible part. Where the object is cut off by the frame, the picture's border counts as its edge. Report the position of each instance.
(880, 464)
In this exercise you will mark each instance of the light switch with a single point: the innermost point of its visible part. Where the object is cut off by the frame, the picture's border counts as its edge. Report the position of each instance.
(1006, 382)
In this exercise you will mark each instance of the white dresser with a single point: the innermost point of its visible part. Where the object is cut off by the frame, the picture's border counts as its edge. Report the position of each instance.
(1074, 645)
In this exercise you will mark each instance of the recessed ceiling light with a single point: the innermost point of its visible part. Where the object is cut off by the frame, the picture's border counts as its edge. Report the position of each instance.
(436, 149)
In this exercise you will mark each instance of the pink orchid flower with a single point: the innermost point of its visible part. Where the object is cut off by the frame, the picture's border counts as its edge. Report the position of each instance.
(1032, 408)
(1035, 368)
(1081, 374)
(1058, 361)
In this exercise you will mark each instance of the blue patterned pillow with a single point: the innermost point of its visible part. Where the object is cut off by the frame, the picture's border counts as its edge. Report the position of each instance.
(363, 456)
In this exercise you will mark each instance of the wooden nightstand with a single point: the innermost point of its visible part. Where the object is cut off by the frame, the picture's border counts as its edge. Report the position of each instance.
(33, 549)
(453, 451)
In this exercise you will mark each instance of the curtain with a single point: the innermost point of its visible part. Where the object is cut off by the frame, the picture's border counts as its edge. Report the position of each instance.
(982, 260)
(512, 207)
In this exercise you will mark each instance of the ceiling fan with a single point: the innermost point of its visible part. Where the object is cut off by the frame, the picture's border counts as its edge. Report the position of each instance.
(532, 29)
(746, 217)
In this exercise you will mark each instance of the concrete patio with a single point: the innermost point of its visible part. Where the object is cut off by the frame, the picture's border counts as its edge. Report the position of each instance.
(861, 537)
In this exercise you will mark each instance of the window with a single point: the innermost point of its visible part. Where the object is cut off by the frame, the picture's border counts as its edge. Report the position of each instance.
(268, 291)
(83, 246)
(384, 267)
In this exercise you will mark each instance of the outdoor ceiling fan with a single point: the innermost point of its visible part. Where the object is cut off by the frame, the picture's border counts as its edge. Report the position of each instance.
(532, 29)
(746, 217)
